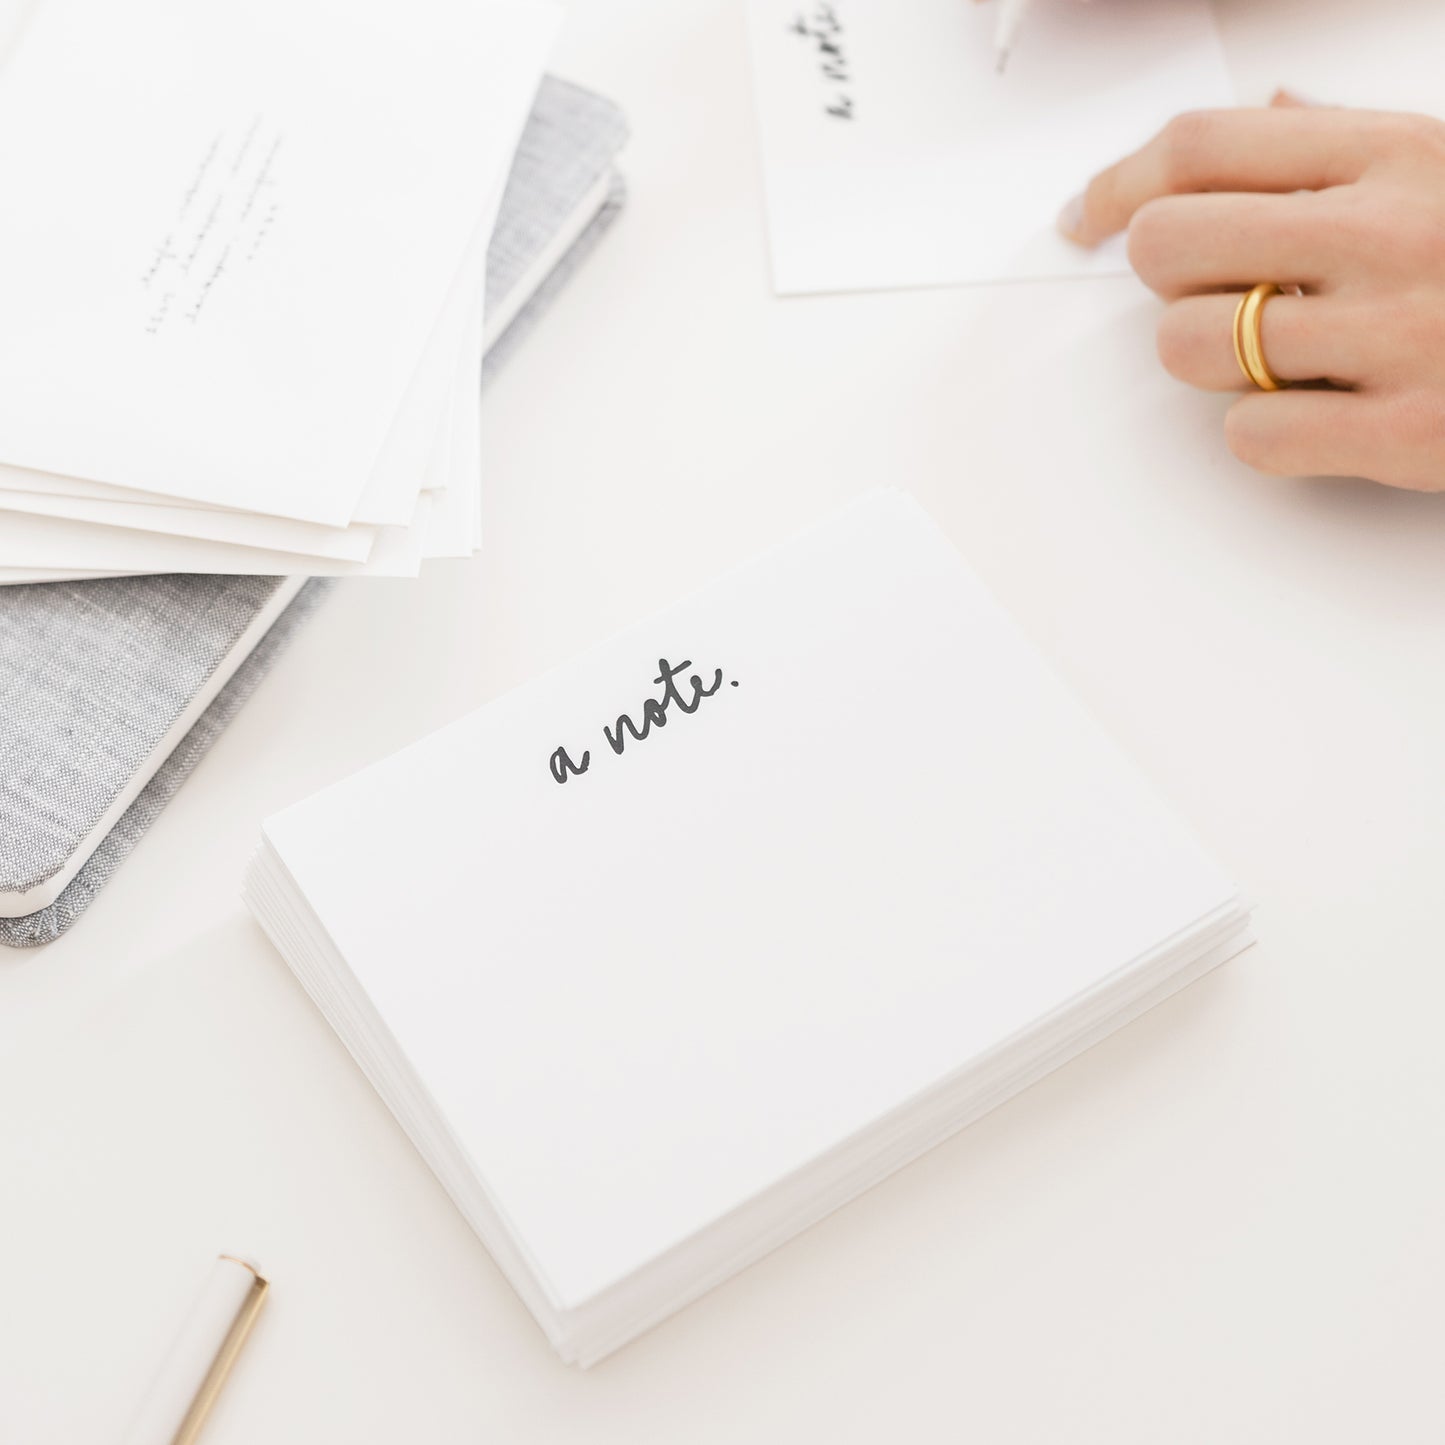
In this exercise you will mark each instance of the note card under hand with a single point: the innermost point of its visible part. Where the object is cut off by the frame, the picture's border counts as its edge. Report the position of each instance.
(668, 953)
(895, 153)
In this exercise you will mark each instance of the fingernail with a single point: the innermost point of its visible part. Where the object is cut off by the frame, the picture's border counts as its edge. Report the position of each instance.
(1071, 218)
(1293, 97)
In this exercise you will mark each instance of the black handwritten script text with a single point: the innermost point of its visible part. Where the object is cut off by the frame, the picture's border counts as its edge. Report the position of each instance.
(822, 28)
(676, 698)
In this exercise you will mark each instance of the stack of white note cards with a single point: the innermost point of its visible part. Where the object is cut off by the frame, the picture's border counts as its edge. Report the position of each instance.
(243, 283)
(668, 953)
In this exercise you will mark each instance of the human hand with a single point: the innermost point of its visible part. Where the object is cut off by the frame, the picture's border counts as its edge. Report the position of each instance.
(1348, 207)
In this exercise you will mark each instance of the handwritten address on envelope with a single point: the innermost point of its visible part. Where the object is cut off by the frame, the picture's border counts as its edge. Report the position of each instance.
(224, 214)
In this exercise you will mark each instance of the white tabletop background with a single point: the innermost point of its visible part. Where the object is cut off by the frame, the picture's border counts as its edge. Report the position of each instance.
(1222, 1225)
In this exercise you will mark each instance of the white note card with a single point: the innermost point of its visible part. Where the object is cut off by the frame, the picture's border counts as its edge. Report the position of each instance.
(738, 889)
(895, 154)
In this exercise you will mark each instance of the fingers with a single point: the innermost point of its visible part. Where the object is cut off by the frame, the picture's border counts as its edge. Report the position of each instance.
(1393, 439)
(1307, 338)
(1180, 244)
(1282, 149)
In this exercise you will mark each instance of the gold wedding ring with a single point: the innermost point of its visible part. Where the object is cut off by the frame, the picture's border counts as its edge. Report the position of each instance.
(1248, 346)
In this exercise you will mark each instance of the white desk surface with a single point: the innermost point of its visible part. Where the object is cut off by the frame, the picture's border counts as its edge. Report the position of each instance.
(1222, 1225)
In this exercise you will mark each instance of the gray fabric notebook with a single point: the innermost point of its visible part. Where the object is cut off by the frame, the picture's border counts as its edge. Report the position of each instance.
(112, 690)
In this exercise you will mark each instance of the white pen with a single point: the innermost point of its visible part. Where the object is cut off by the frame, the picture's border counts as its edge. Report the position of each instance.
(190, 1378)
(1010, 13)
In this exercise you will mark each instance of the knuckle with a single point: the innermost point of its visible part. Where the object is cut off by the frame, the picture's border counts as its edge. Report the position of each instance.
(1357, 223)
(1183, 142)
(1174, 341)
(1415, 240)
(1426, 241)
(1389, 231)
(1423, 134)
(1415, 420)
(1412, 325)
(1147, 241)
(1405, 441)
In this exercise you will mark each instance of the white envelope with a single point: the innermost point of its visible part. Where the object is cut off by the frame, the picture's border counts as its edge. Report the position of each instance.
(75, 549)
(202, 524)
(237, 282)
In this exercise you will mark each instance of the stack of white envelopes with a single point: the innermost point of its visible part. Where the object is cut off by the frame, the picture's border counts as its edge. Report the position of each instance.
(676, 948)
(243, 283)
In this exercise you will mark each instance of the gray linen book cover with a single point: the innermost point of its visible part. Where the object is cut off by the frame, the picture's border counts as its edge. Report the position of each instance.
(94, 675)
